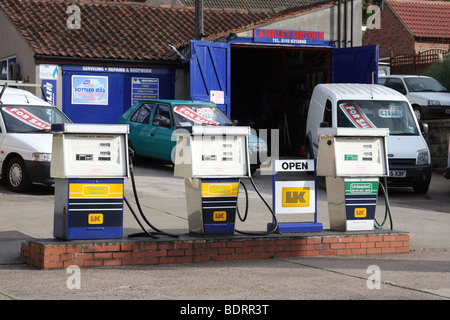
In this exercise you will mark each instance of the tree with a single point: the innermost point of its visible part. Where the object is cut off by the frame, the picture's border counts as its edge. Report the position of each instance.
(440, 70)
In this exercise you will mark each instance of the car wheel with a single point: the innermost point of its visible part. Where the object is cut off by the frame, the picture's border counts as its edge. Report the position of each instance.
(16, 176)
(418, 113)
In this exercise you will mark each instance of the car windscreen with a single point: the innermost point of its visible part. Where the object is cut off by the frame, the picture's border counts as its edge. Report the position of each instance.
(395, 115)
(189, 115)
(420, 84)
(25, 119)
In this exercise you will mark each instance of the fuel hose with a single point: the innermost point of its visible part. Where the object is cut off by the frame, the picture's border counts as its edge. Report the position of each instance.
(274, 229)
(387, 211)
(146, 233)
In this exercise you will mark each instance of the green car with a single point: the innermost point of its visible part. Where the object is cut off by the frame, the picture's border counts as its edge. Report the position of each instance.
(153, 122)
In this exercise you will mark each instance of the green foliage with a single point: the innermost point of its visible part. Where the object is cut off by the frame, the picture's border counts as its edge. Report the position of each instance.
(440, 70)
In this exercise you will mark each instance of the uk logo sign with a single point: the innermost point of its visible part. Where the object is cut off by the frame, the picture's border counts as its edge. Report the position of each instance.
(295, 197)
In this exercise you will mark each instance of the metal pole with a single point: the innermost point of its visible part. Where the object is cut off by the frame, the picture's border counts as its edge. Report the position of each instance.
(339, 24)
(199, 30)
(345, 23)
(351, 25)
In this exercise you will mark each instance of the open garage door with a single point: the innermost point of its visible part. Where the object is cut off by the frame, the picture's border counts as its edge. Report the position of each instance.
(354, 65)
(210, 73)
(271, 85)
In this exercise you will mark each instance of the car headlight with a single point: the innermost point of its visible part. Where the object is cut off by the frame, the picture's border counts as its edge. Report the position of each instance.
(40, 156)
(434, 103)
(422, 157)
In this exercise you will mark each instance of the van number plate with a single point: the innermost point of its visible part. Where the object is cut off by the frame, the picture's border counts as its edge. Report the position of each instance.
(397, 173)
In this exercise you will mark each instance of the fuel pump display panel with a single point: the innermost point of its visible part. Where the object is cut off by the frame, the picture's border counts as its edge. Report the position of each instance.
(219, 156)
(89, 151)
(102, 156)
(360, 156)
(212, 152)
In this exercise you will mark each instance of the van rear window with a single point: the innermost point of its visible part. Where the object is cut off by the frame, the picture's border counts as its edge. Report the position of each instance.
(395, 115)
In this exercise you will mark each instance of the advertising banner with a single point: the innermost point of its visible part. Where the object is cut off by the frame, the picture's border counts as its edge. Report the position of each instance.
(89, 90)
(50, 91)
(144, 89)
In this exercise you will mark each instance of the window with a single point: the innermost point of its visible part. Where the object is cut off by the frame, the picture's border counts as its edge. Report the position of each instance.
(396, 84)
(142, 115)
(27, 119)
(394, 115)
(162, 116)
(327, 115)
(5, 69)
(421, 84)
(202, 114)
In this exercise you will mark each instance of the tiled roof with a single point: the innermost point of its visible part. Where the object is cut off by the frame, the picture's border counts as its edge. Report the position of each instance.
(117, 30)
(429, 19)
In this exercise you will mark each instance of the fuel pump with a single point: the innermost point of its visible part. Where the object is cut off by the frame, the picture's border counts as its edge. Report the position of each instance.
(89, 164)
(353, 161)
(212, 160)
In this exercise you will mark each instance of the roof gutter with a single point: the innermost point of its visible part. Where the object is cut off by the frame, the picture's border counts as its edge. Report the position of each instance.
(80, 60)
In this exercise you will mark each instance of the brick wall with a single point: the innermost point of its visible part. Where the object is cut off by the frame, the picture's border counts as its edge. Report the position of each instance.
(437, 140)
(391, 37)
(56, 254)
(424, 46)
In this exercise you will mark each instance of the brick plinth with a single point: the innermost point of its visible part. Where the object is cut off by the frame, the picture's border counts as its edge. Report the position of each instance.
(48, 254)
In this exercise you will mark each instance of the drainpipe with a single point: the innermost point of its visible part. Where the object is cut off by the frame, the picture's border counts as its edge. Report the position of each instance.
(351, 25)
(339, 24)
(345, 23)
(199, 28)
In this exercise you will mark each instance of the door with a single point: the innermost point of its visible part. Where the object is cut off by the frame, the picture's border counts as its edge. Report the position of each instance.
(139, 135)
(210, 73)
(355, 65)
(160, 142)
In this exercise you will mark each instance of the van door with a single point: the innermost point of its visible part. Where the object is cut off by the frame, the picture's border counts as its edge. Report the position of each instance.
(210, 72)
(354, 65)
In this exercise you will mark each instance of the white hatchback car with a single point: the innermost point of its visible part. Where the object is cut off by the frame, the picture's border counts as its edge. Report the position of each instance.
(25, 138)
(428, 97)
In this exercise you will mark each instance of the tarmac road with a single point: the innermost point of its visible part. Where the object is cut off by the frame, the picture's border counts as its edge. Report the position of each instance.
(422, 274)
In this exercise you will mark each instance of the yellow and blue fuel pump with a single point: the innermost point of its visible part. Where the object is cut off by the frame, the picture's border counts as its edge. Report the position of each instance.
(352, 160)
(211, 160)
(89, 164)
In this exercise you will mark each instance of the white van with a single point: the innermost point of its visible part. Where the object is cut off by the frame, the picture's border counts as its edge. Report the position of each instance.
(374, 106)
(25, 138)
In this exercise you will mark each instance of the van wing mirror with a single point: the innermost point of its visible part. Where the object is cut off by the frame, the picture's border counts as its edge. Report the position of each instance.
(424, 127)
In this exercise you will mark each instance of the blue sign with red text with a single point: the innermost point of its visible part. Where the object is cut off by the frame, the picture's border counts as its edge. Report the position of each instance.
(292, 37)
